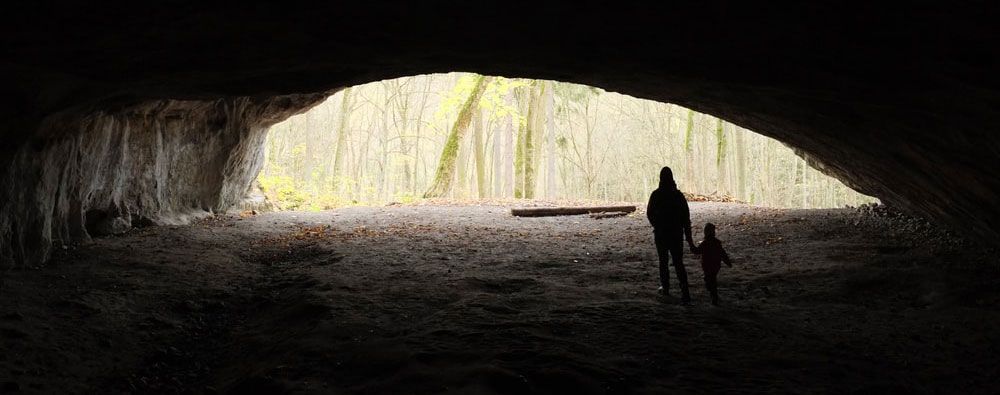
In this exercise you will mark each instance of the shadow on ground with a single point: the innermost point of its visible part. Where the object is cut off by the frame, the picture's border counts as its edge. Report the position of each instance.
(429, 299)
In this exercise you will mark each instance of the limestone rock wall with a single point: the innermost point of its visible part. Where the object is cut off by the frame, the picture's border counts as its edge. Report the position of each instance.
(159, 162)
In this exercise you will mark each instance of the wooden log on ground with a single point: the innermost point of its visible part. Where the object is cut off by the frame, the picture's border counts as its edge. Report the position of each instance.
(608, 215)
(554, 211)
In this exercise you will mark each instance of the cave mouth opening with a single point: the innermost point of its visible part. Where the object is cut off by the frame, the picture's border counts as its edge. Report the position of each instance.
(896, 101)
(469, 137)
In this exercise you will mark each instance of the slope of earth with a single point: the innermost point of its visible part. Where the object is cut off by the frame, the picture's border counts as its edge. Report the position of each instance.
(467, 299)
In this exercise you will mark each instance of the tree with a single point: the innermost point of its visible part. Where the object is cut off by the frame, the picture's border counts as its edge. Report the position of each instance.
(498, 157)
(507, 177)
(550, 141)
(417, 135)
(478, 152)
(446, 164)
(720, 156)
(689, 148)
(741, 163)
(338, 155)
(524, 179)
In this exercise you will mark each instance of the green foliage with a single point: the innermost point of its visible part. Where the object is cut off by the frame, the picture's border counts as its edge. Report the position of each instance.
(571, 96)
(576, 93)
(494, 100)
(288, 194)
(407, 198)
(281, 191)
(454, 99)
(562, 142)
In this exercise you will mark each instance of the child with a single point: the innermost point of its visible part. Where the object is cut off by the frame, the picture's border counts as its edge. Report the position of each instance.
(712, 254)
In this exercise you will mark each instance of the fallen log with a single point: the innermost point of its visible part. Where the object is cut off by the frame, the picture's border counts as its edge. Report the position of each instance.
(608, 215)
(554, 211)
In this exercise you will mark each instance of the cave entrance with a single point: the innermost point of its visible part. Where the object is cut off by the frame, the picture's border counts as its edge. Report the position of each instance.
(463, 136)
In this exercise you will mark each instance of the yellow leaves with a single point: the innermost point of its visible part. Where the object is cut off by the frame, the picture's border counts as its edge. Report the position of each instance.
(287, 193)
(454, 99)
(282, 191)
(494, 100)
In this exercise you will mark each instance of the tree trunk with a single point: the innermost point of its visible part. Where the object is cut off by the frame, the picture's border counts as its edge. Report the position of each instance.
(741, 163)
(689, 149)
(589, 172)
(507, 167)
(550, 141)
(461, 188)
(497, 158)
(523, 174)
(381, 179)
(419, 166)
(478, 150)
(805, 184)
(720, 157)
(446, 165)
(555, 211)
(338, 156)
(531, 133)
(406, 142)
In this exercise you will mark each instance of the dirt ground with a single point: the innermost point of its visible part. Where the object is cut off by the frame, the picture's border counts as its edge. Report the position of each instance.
(468, 299)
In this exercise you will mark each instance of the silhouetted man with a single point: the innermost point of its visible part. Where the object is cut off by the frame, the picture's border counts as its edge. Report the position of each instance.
(668, 212)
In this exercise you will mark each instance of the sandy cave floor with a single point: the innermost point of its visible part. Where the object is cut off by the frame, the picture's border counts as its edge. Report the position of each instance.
(467, 299)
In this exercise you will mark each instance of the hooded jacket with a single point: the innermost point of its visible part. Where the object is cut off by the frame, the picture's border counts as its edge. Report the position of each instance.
(667, 210)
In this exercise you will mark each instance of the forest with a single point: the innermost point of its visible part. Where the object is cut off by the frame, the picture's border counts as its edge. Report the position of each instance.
(466, 136)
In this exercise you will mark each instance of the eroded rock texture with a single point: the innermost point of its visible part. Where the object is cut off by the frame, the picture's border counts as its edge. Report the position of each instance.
(900, 101)
(103, 172)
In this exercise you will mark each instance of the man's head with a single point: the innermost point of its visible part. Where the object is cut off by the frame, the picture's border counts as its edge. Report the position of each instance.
(667, 178)
(709, 230)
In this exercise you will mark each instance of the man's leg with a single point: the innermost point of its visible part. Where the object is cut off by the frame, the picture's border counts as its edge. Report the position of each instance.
(663, 252)
(677, 252)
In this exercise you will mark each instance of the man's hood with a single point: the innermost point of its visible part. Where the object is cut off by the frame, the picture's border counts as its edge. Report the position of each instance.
(667, 179)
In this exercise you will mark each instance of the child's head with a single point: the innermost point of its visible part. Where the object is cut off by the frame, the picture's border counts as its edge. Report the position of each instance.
(709, 231)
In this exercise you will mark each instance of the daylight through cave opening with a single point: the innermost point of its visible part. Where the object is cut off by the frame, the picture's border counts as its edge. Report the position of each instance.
(402, 139)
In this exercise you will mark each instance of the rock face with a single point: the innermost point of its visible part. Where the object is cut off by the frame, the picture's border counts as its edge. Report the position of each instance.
(151, 112)
(104, 172)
